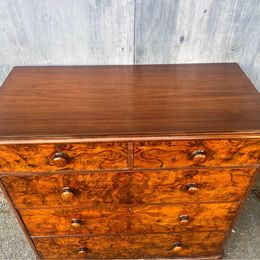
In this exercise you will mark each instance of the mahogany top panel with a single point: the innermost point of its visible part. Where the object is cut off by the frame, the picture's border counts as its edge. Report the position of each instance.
(123, 101)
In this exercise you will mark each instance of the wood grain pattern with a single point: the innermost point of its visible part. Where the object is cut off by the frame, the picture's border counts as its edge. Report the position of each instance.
(165, 218)
(127, 188)
(223, 185)
(190, 31)
(168, 154)
(84, 156)
(123, 211)
(133, 219)
(135, 246)
(117, 101)
(88, 189)
(105, 220)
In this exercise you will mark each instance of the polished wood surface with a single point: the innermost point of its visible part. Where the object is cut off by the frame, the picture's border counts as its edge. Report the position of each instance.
(169, 154)
(113, 188)
(166, 218)
(38, 102)
(131, 246)
(118, 155)
(88, 189)
(170, 186)
(146, 161)
(91, 220)
(131, 219)
(82, 156)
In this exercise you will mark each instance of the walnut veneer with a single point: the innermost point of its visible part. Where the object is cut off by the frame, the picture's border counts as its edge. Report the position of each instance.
(128, 161)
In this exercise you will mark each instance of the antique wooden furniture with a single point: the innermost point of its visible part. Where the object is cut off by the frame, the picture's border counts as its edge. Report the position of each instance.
(128, 161)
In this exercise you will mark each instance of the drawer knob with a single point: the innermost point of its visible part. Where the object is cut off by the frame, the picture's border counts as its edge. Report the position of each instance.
(60, 159)
(177, 247)
(192, 187)
(184, 219)
(67, 194)
(198, 157)
(83, 252)
(76, 223)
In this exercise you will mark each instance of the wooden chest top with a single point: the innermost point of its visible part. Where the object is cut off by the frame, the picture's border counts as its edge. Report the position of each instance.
(127, 101)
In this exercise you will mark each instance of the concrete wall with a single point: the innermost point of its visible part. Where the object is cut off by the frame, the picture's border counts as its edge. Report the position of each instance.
(76, 32)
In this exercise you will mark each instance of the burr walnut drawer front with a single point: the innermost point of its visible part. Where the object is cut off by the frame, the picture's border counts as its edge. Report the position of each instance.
(180, 186)
(132, 219)
(55, 157)
(170, 154)
(68, 190)
(113, 188)
(130, 246)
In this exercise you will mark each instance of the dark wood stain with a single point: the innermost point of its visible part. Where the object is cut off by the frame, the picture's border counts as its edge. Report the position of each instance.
(127, 101)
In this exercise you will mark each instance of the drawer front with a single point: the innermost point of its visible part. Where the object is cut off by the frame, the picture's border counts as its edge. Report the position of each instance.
(135, 219)
(183, 217)
(130, 246)
(113, 188)
(68, 190)
(168, 154)
(44, 222)
(54, 157)
(201, 185)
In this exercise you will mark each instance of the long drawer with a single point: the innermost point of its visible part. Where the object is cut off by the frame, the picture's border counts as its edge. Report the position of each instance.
(56, 157)
(135, 219)
(186, 153)
(130, 246)
(113, 188)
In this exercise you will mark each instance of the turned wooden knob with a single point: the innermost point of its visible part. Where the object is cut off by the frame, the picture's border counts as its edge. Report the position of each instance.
(76, 223)
(83, 252)
(184, 219)
(60, 159)
(198, 157)
(67, 194)
(177, 247)
(192, 187)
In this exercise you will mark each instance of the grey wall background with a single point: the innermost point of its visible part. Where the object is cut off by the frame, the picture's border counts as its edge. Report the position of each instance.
(77, 32)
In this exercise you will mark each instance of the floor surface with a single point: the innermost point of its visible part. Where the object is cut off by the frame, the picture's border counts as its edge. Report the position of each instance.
(244, 242)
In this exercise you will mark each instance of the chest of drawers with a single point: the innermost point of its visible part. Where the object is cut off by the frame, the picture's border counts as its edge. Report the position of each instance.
(128, 161)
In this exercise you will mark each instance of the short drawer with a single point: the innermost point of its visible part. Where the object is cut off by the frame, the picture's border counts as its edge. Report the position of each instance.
(56, 157)
(132, 219)
(68, 190)
(170, 154)
(130, 246)
(198, 185)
